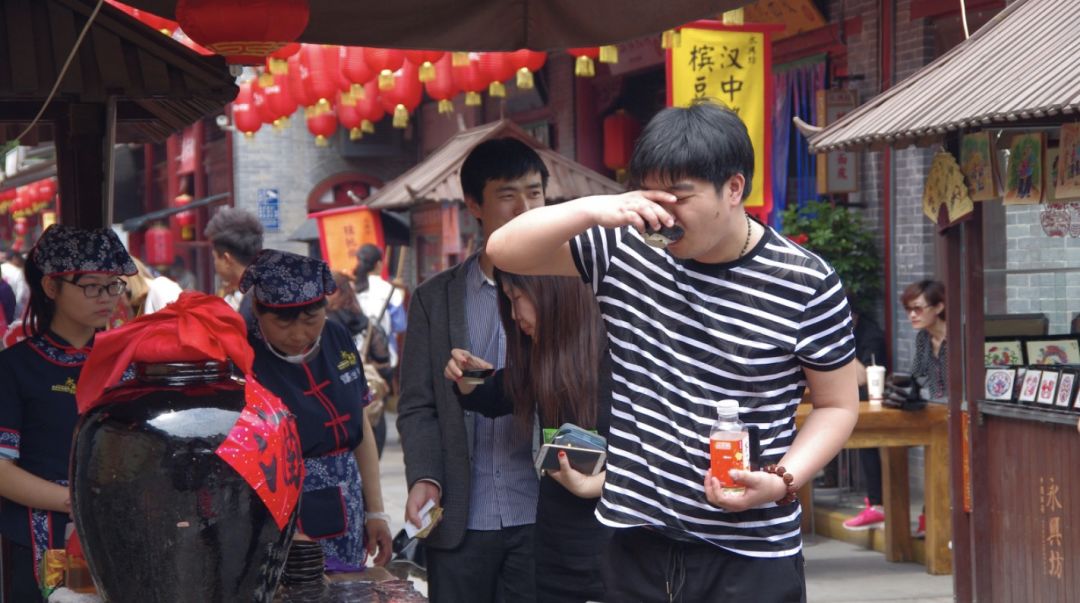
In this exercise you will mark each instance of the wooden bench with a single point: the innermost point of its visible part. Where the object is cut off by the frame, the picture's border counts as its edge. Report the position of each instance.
(894, 431)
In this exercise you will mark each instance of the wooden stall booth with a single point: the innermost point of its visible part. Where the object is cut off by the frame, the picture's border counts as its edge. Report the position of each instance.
(1006, 244)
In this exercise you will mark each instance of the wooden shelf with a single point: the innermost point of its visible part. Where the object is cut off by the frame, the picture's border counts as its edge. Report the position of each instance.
(1028, 412)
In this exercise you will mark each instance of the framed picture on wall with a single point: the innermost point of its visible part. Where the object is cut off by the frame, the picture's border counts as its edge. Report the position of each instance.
(1048, 383)
(999, 383)
(1004, 351)
(1052, 350)
(1065, 389)
(1030, 389)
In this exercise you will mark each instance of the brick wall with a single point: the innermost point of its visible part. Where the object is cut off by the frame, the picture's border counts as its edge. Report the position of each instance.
(1027, 247)
(290, 162)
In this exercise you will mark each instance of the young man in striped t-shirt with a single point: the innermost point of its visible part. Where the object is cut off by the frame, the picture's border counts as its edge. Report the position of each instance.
(730, 310)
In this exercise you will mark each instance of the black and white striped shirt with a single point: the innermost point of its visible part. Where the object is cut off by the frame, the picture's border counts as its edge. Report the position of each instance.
(685, 335)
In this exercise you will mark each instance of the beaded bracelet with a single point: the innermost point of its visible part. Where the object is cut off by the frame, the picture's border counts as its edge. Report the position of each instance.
(376, 515)
(789, 479)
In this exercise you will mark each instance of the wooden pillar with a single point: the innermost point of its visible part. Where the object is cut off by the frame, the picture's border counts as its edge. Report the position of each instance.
(950, 263)
(974, 315)
(80, 135)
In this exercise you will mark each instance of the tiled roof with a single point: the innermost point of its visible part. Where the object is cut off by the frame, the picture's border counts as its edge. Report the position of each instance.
(1022, 65)
(438, 177)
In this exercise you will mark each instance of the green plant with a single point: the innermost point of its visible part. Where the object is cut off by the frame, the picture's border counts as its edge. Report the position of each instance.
(839, 237)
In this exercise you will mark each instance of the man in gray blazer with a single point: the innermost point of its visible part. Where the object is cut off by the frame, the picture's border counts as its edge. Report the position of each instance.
(479, 469)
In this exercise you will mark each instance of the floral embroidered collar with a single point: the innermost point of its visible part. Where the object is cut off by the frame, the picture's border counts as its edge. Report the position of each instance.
(57, 350)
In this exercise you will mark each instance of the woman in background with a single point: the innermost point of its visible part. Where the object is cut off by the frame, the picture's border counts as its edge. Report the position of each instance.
(557, 371)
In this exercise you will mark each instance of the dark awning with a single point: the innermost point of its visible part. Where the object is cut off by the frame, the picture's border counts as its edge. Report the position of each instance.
(488, 24)
(160, 85)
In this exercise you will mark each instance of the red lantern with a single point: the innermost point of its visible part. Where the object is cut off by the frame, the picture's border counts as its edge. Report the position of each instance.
(243, 31)
(369, 107)
(322, 125)
(495, 67)
(620, 132)
(22, 226)
(47, 189)
(321, 82)
(335, 58)
(260, 104)
(245, 117)
(441, 87)
(424, 60)
(469, 79)
(298, 76)
(356, 69)
(286, 51)
(349, 116)
(159, 245)
(526, 62)
(279, 97)
(184, 220)
(585, 65)
(404, 97)
(384, 62)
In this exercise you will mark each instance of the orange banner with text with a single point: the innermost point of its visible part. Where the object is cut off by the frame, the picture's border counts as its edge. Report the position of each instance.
(342, 232)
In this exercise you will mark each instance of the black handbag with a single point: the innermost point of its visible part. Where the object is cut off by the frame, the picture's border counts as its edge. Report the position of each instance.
(905, 392)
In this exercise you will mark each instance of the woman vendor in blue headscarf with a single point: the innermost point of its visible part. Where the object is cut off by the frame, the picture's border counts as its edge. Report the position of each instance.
(74, 279)
(314, 367)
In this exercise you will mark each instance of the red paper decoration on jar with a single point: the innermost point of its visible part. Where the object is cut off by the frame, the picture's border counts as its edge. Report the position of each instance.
(243, 31)
(404, 97)
(424, 60)
(384, 62)
(525, 63)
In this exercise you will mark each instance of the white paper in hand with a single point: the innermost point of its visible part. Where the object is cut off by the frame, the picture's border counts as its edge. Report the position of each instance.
(429, 516)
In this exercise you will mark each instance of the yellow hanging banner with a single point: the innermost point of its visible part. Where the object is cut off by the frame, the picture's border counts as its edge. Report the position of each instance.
(730, 65)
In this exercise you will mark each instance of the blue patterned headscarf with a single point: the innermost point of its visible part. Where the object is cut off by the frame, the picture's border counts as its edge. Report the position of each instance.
(65, 249)
(282, 279)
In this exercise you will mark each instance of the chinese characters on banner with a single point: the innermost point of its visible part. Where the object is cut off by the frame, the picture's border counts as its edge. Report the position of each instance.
(342, 232)
(1052, 512)
(730, 65)
(839, 173)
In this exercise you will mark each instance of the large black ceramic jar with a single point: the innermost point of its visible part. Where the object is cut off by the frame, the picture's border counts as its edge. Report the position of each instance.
(161, 517)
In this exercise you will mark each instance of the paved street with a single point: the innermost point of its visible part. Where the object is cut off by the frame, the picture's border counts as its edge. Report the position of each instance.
(836, 572)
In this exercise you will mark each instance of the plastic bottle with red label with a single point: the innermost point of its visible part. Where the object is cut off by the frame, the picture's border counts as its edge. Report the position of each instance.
(729, 445)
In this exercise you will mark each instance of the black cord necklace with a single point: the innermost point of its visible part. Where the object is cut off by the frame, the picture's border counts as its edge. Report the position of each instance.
(746, 244)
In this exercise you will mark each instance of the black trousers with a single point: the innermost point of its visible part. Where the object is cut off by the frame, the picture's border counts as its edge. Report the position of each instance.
(870, 459)
(21, 586)
(644, 566)
(488, 567)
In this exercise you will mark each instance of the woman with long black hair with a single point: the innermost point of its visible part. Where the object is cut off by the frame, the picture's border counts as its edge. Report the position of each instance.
(557, 371)
(74, 279)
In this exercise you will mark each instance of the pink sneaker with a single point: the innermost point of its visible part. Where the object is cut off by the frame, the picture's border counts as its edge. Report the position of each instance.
(920, 532)
(871, 517)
